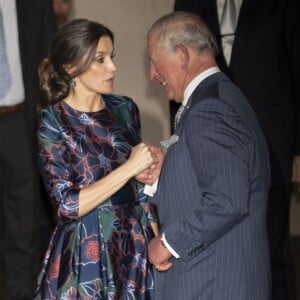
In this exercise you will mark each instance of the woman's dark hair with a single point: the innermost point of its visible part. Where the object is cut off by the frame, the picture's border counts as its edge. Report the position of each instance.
(73, 47)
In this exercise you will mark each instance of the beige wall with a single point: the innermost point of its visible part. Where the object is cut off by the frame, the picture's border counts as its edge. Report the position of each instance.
(130, 20)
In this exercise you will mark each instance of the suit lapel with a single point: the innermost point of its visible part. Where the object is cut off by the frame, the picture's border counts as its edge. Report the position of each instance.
(251, 11)
(201, 92)
(20, 16)
(211, 17)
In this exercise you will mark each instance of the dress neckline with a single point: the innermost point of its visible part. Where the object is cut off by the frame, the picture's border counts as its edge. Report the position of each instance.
(69, 108)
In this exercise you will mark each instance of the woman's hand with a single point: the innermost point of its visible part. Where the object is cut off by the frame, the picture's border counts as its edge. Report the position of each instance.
(151, 174)
(93, 195)
(141, 158)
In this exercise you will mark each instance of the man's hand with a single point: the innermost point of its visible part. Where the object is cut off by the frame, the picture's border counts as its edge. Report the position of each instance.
(159, 255)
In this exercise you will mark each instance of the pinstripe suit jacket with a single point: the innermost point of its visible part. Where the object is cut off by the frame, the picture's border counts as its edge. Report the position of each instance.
(212, 197)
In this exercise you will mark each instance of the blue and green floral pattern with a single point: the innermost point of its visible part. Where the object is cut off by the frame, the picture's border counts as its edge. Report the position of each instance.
(102, 255)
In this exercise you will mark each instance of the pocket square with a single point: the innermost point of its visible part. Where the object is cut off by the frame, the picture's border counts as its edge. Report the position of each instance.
(168, 142)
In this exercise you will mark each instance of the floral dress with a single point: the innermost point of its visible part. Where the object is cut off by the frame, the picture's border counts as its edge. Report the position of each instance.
(102, 255)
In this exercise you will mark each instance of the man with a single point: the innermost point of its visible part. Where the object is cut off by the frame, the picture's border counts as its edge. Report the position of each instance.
(26, 27)
(212, 190)
(263, 60)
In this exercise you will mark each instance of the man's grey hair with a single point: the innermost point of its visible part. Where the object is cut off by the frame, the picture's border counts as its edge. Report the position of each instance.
(183, 28)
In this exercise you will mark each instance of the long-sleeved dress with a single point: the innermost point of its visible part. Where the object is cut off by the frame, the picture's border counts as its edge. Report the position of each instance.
(102, 255)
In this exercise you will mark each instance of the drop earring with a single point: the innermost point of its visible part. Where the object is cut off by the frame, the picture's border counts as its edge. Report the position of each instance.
(73, 82)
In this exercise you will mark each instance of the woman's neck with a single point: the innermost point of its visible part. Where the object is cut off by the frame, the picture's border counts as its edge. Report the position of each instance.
(91, 103)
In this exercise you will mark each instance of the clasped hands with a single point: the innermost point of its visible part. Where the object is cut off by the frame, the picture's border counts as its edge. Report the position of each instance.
(151, 174)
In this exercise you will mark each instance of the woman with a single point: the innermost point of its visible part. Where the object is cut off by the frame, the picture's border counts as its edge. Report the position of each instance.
(89, 155)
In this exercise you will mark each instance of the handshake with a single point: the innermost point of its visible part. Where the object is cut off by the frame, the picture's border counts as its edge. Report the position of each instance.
(146, 162)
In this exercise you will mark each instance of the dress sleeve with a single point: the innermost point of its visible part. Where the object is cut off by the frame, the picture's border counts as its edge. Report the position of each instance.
(55, 167)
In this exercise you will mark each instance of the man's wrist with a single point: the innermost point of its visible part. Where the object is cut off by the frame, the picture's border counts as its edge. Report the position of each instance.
(163, 243)
(166, 245)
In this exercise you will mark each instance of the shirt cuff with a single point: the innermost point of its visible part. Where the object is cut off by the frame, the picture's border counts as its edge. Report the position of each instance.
(173, 252)
(150, 190)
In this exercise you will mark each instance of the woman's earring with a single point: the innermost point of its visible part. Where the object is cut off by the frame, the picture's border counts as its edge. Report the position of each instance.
(73, 82)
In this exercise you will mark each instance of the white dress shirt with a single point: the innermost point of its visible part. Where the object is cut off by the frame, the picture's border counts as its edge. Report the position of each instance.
(16, 93)
(228, 37)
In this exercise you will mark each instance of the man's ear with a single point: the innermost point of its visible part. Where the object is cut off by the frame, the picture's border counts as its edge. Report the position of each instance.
(184, 55)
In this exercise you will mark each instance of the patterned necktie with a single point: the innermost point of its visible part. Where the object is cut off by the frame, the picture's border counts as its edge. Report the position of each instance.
(174, 138)
(5, 76)
(228, 22)
(178, 115)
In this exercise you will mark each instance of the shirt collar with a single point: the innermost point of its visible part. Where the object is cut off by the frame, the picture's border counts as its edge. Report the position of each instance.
(195, 82)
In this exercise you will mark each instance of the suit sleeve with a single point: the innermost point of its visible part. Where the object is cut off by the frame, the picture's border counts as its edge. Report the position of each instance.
(292, 30)
(218, 145)
(48, 26)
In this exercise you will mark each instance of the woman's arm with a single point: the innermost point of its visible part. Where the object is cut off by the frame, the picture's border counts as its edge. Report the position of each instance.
(91, 196)
(74, 200)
